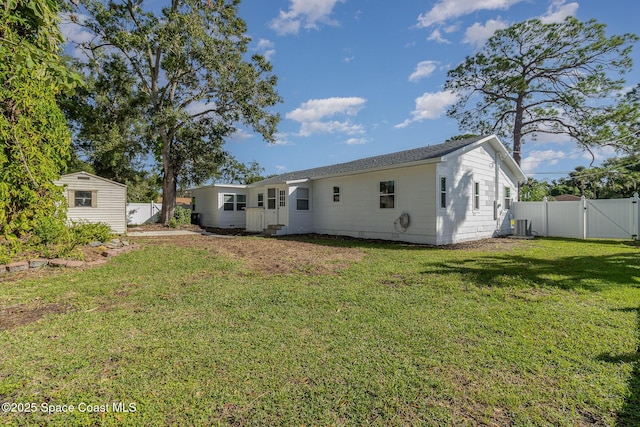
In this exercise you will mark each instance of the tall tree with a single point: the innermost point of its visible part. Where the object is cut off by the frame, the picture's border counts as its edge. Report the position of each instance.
(193, 76)
(555, 78)
(108, 127)
(34, 139)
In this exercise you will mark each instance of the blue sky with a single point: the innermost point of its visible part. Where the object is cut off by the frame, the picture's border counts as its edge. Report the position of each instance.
(365, 77)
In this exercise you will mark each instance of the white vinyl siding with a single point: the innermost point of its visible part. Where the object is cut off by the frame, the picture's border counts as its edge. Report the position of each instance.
(98, 199)
(221, 205)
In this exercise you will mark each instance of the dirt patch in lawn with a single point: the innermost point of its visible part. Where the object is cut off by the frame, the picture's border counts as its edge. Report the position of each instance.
(267, 255)
(24, 314)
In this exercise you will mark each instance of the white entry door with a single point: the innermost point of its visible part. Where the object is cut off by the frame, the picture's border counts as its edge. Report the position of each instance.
(276, 211)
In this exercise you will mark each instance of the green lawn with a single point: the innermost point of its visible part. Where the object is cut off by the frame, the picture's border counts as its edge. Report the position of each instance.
(542, 333)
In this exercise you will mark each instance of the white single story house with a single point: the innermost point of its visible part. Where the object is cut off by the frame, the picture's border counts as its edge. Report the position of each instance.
(220, 205)
(95, 199)
(440, 194)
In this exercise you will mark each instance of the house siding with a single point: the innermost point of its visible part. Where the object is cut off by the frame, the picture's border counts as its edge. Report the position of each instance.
(300, 221)
(209, 203)
(460, 221)
(358, 214)
(416, 193)
(109, 206)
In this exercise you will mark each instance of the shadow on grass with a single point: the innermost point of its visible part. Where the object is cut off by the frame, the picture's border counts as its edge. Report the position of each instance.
(590, 272)
(630, 413)
(496, 267)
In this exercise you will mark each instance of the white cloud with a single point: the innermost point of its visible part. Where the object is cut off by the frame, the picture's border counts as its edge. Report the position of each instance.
(355, 141)
(558, 10)
(317, 109)
(449, 9)
(436, 36)
(477, 34)
(267, 48)
(541, 158)
(430, 106)
(346, 127)
(304, 13)
(423, 70)
(74, 33)
(312, 114)
(282, 139)
(240, 135)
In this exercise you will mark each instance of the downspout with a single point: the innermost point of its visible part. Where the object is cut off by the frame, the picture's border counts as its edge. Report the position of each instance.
(496, 183)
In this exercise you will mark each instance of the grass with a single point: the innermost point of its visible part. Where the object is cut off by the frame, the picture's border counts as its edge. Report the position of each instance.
(546, 333)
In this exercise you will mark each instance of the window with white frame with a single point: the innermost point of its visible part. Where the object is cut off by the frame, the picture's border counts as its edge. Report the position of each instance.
(336, 194)
(84, 199)
(241, 202)
(476, 195)
(260, 200)
(507, 197)
(271, 198)
(229, 201)
(302, 199)
(387, 194)
(443, 192)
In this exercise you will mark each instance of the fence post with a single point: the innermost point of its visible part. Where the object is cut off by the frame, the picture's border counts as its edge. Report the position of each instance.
(583, 216)
(546, 216)
(634, 216)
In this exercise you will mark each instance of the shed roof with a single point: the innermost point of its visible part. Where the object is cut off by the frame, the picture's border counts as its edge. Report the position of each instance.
(429, 152)
(89, 175)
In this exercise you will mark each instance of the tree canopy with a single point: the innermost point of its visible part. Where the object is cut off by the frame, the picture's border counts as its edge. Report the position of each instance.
(193, 83)
(546, 78)
(34, 139)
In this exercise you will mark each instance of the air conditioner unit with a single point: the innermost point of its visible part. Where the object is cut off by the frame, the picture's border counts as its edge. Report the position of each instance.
(523, 228)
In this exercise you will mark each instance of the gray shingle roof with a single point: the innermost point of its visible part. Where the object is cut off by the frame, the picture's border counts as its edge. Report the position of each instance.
(385, 160)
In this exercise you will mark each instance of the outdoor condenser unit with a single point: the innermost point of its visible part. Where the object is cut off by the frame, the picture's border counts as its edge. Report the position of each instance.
(522, 228)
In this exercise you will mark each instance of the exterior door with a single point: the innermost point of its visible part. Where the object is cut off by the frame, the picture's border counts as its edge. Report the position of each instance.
(276, 207)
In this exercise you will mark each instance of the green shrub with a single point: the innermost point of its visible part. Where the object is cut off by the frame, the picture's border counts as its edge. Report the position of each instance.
(182, 216)
(48, 230)
(173, 222)
(84, 232)
(9, 248)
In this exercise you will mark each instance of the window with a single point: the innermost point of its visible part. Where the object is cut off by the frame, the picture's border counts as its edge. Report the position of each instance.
(271, 198)
(193, 204)
(260, 200)
(228, 202)
(302, 199)
(336, 194)
(443, 192)
(83, 199)
(241, 202)
(476, 195)
(387, 194)
(282, 195)
(507, 197)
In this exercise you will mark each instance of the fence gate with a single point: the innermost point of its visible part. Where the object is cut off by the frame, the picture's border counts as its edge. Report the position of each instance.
(605, 218)
(142, 213)
(612, 218)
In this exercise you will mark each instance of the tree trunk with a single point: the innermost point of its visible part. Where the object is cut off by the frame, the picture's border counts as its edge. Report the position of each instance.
(517, 131)
(169, 184)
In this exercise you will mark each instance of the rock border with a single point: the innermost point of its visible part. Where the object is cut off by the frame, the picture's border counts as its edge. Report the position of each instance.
(39, 263)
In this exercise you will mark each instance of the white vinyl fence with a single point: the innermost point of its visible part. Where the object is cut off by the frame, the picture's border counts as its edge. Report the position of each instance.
(583, 219)
(142, 213)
